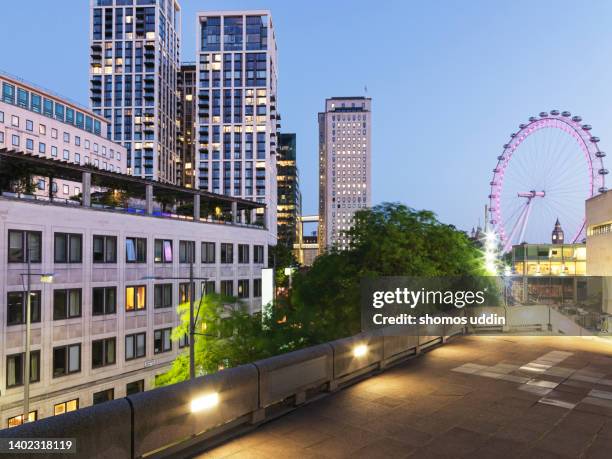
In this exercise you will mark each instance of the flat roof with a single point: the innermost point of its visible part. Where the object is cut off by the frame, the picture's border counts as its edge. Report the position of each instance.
(65, 170)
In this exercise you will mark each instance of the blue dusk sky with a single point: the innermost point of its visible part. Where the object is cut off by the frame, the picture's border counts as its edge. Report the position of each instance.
(450, 80)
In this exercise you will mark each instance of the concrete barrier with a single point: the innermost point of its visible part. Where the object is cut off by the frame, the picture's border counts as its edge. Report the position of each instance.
(100, 431)
(356, 353)
(164, 416)
(161, 421)
(294, 373)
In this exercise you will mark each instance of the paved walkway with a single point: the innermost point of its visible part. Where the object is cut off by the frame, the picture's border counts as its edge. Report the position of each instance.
(476, 397)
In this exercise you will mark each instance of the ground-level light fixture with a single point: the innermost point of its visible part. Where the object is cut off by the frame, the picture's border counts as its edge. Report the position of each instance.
(360, 350)
(205, 402)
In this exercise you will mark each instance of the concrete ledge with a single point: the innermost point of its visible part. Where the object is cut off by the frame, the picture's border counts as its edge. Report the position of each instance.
(163, 416)
(293, 373)
(101, 431)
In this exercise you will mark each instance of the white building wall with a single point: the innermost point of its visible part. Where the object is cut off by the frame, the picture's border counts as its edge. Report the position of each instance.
(48, 218)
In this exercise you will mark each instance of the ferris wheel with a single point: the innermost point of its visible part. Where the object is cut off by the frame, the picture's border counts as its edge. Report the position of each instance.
(546, 172)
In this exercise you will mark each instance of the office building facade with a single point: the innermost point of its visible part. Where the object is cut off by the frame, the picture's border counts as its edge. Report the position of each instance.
(134, 65)
(38, 122)
(237, 119)
(102, 328)
(289, 196)
(345, 150)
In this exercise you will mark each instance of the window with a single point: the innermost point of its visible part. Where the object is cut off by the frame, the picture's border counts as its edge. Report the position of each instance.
(103, 300)
(66, 407)
(42, 148)
(135, 250)
(183, 341)
(163, 251)
(15, 121)
(184, 292)
(18, 420)
(66, 137)
(68, 248)
(135, 346)
(42, 129)
(207, 287)
(161, 340)
(104, 249)
(77, 140)
(162, 296)
(16, 307)
(24, 243)
(256, 288)
(66, 360)
(66, 155)
(15, 140)
(53, 133)
(66, 189)
(186, 252)
(103, 396)
(135, 298)
(66, 303)
(1, 137)
(208, 252)
(243, 288)
(243, 253)
(227, 287)
(227, 253)
(29, 126)
(15, 371)
(103, 352)
(1, 117)
(134, 387)
(258, 254)
(53, 151)
(29, 144)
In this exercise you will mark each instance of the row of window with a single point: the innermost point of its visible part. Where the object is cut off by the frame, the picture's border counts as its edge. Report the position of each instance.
(48, 107)
(73, 404)
(68, 248)
(42, 130)
(67, 359)
(67, 303)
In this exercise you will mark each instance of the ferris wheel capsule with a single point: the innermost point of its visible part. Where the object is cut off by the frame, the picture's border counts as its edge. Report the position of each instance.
(600, 154)
(602, 189)
(594, 139)
(554, 112)
(522, 126)
(603, 171)
(532, 119)
(566, 114)
(586, 127)
(544, 114)
(577, 118)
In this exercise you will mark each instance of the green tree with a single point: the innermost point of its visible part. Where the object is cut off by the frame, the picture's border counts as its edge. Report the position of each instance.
(390, 239)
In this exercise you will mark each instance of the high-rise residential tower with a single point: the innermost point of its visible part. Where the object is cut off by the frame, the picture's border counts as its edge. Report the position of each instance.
(186, 114)
(135, 59)
(345, 150)
(289, 196)
(237, 119)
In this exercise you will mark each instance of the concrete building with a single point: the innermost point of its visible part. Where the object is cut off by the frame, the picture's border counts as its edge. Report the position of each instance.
(37, 122)
(306, 246)
(345, 150)
(289, 196)
(134, 65)
(186, 128)
(237, 119)
(599, 234)
(549, 259)
(102, 329)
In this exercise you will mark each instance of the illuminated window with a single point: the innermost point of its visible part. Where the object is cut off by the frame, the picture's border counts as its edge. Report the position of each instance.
(66, 407)
(135, 297)
(18, 420)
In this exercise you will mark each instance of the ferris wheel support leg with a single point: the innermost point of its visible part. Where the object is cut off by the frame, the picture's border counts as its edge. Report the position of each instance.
(517, 224)
(524, 225)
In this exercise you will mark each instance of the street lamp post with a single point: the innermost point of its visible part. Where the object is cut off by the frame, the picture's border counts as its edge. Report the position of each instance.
(44, 278)
(192, 316)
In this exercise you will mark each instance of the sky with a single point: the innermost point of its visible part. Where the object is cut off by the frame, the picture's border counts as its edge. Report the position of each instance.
(449, 80)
